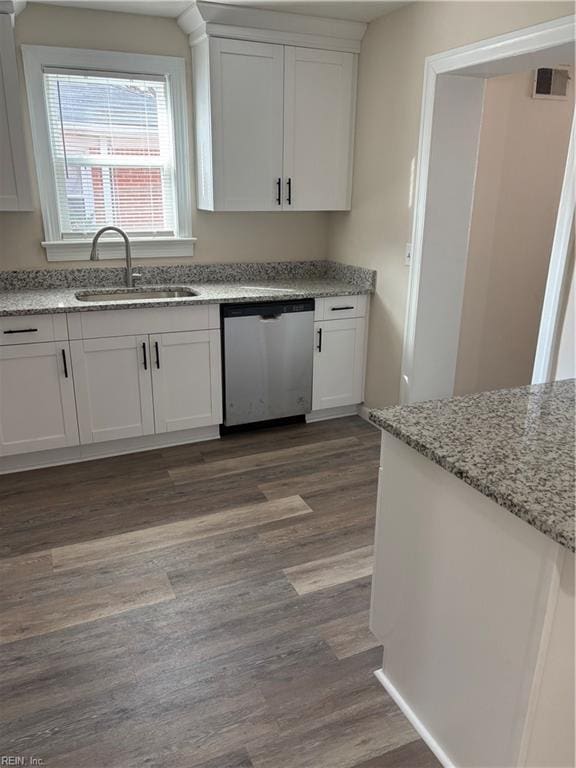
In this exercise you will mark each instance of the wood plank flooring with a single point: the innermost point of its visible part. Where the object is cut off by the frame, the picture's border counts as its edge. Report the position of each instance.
(203, 606)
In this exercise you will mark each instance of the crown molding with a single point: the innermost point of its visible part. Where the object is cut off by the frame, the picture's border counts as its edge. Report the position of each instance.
(203, 20)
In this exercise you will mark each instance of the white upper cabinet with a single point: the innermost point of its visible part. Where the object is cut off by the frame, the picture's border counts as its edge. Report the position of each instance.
(247, 124)
(319, 107)
(274, 98)
(15, 194)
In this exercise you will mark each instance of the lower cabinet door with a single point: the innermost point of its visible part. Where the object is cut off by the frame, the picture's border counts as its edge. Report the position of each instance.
(113, 388)
(186, 379)
(37, 409)
(338, 363)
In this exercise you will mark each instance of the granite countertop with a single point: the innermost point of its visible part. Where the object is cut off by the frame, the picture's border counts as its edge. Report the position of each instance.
(45, 291)
(515, 446)
(53, 300)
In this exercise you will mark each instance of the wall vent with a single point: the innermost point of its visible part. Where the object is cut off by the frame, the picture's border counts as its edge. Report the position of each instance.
(551, 83)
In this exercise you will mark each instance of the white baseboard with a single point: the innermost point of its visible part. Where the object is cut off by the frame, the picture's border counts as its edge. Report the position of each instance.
(364, 413)
(53, 458)
(332, 413)
(417, 724)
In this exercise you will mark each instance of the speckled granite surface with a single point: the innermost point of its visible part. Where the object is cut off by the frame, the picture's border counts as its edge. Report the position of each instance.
(64, 299)
(189, 273)
(515, 446)
(50, 291)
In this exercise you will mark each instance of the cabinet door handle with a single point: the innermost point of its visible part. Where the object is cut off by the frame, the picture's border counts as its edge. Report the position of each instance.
(279, 190)
(157, 352)
(22, 330)
(65, 363)
(145, 355)
(319, 347)
(289, 198)
(338, 309)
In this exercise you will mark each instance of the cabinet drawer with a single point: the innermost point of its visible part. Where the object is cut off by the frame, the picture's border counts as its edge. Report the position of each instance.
(129, 322)
(26, 329)
(340, 307)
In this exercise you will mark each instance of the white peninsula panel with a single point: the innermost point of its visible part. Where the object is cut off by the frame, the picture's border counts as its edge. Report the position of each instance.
(464, 601)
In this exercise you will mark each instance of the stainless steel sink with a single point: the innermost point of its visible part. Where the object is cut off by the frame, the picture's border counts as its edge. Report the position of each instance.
(145, 293)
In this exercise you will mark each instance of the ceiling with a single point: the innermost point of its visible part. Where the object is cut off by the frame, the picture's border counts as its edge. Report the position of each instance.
(354, 10)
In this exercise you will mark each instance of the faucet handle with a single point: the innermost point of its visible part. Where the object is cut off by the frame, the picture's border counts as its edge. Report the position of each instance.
(136, 276)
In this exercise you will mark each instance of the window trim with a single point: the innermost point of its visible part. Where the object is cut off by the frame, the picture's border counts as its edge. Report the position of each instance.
(35, 58)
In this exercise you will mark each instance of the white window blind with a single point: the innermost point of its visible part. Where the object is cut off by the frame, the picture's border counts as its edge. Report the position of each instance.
(112, 148)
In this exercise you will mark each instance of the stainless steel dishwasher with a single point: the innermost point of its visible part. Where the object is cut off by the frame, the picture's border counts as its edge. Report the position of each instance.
(268, 356)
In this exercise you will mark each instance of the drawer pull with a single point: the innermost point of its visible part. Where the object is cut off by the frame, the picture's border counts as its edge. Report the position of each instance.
(65, 363)
(338, 309)
(157, 351)
(319, 347)
(22, 330)
(145, 355)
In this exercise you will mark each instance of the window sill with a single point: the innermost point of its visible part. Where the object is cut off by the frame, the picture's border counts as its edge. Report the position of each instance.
(142, 248)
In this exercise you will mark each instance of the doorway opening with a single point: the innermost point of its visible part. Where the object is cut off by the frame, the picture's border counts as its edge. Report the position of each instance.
(521, 162)
(464, 219)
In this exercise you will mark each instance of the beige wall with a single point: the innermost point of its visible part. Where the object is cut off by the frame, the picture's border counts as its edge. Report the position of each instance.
(221, 236)
(521, 162)
(375, 232)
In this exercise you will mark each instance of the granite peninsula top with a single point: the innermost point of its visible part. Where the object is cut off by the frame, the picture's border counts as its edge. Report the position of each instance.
(51, 291)
(515, 446)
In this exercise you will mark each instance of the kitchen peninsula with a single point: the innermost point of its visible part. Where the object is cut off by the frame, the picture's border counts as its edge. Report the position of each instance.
(473, 590)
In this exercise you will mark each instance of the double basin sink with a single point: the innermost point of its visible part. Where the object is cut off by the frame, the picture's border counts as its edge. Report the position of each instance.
(145, 293)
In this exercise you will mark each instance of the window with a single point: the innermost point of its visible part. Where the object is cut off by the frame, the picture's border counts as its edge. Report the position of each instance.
(111, 144)
(112, 152)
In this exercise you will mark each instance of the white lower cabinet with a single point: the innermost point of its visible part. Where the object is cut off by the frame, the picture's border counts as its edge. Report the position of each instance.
(129, 386)
(113, 388)
(37, 409)
(125, 375)
(186, 380)
(338, 363)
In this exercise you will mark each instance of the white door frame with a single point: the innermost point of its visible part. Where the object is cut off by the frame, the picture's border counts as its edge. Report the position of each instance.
(546, 348)
(516, 44)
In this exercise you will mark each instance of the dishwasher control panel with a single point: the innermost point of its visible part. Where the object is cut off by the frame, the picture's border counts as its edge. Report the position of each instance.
(267, 308)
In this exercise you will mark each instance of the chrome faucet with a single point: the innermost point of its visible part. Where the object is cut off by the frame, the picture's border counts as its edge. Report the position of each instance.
(94, 252)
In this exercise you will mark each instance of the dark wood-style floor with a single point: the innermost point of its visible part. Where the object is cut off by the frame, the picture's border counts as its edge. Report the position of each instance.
(203, 606)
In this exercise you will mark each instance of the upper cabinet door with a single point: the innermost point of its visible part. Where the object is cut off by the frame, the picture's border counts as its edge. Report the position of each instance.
(319, 111)
(247, 98)
(14, 179)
